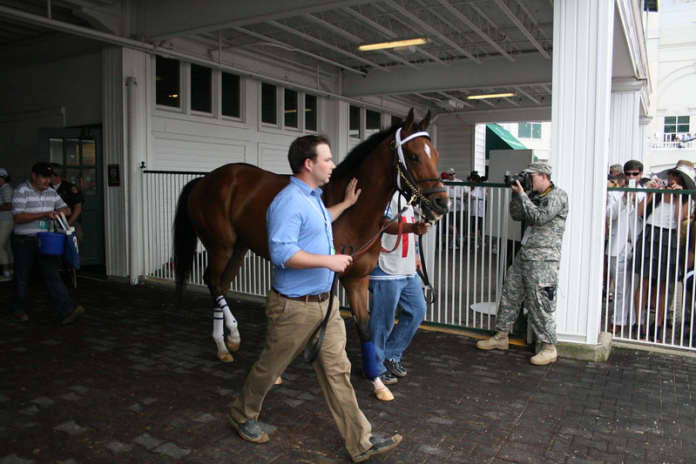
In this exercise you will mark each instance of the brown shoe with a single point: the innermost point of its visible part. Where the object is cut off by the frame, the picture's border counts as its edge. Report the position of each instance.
(74, 315)
(379, 446)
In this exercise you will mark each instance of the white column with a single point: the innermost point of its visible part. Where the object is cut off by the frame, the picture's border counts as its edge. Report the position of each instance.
(582, 67)
(625, 141)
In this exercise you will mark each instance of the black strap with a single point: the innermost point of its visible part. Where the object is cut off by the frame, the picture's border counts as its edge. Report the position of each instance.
(423, 273)
(311, 351)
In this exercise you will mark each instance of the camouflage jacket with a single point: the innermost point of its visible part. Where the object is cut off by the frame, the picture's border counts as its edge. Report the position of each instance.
(544, 216)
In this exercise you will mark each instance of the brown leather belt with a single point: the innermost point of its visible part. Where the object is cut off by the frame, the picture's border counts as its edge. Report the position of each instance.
(307, 298)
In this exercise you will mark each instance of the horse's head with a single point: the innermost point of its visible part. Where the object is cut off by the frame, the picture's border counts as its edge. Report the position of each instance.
(415, 159)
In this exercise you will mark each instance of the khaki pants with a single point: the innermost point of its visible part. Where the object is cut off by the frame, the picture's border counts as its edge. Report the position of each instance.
(290, 324)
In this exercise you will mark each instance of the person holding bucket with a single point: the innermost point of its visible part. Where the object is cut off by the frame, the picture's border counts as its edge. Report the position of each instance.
(34, 207)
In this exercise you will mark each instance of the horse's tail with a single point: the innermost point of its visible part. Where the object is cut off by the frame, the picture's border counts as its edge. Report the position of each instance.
(185, 239)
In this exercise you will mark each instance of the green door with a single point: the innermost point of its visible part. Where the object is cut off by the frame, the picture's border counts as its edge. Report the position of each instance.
(80, 153)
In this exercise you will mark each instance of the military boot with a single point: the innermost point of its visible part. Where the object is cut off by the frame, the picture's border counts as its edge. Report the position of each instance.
(546, 355)
(498, 341)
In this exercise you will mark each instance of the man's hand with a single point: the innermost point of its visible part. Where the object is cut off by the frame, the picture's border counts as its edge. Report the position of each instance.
(352, 192)
(339, 263)
(517, 187)
(421, 227)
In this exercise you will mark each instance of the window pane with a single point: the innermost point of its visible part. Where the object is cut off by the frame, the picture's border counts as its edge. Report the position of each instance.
(670, 129)
(291, 116)
(524, 130)
(354, 122)
(373, 122)
(670, 120)
(167, 82)
(682, 120)
(536, 131)
(89, 152)
(269, 99)
(201, 89)
(231, 95)
(72, 157)
(310, 113)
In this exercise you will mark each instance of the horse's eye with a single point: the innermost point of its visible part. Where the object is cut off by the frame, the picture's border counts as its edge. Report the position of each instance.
(413, 157)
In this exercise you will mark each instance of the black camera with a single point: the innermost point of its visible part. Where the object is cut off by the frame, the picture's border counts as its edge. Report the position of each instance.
(523, 178)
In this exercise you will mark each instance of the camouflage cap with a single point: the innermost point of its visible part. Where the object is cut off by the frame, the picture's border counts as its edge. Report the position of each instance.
(539, 167)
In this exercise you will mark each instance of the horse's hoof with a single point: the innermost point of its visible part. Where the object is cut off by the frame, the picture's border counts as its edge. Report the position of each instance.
(225, 357)
(279, 381)
(232, 346)
(384, 394)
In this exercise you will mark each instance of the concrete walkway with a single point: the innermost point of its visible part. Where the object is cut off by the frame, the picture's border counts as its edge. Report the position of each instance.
(136, 380)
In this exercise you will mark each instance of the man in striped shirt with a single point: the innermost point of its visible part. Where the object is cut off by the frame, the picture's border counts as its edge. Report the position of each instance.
(34, 206)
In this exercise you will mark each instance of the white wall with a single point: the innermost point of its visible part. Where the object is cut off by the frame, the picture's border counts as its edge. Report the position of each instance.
(455, 144)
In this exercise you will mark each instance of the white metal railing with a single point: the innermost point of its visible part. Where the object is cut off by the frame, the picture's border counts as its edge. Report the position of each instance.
(467, 276)
(672, 145)
(161, 193)
(644, 303)
(467, 267)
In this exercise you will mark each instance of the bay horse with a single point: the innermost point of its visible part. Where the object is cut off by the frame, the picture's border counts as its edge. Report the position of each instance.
(226, 210)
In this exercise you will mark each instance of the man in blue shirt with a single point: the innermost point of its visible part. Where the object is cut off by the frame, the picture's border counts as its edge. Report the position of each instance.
(301, 248)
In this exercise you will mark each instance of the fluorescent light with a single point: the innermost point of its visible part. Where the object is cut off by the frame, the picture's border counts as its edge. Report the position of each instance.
(395, 44)
(492, 95)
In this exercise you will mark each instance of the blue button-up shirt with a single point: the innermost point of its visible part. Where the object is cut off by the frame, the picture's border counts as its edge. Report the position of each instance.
(298, 220)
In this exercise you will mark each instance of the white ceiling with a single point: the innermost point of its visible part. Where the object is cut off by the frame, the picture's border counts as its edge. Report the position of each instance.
(475, 46)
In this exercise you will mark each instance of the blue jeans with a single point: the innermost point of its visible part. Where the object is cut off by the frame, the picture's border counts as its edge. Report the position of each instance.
(391, 340)
(26, 255)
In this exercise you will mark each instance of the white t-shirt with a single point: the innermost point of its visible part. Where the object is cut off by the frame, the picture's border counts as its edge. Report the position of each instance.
(402, 261)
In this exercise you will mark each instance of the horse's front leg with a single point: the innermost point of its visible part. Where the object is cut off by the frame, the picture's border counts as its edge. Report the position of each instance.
(222, 316)
(357, 293)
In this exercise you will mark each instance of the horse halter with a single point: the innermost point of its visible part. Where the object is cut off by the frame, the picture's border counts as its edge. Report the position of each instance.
(413, 193)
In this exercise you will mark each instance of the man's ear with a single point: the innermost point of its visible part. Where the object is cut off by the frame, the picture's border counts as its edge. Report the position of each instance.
(308, 164)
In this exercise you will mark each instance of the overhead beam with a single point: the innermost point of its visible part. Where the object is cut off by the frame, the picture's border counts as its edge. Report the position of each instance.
(163, 19)
(520, 23)
(469, 23)
(494, 72)
(326, 45)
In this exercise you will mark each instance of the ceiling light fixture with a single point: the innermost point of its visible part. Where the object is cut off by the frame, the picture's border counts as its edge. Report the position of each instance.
(491, 95)
(395, 44)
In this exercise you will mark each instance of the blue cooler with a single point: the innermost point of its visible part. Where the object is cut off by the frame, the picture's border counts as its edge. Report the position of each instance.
(51, 243)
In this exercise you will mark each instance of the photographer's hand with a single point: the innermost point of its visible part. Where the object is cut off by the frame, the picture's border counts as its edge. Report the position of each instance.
(516, 187)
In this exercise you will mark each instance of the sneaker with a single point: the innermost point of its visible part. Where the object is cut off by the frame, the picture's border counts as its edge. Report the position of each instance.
(387, 378)
(395, 367)
(499, 341)
(379, 446)
(74, 315)
(249, 430)
(19, 316)
(546, 355)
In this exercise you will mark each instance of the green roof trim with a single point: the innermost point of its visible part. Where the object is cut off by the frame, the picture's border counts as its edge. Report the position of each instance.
(498, 138)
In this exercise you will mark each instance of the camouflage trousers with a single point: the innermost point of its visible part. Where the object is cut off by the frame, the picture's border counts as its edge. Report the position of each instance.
(534, 284)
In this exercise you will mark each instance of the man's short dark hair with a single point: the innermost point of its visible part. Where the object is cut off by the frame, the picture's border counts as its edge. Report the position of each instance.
(304, 148)
(633, 165)
(43, 169)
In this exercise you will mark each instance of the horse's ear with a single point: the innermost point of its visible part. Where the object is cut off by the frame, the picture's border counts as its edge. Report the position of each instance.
(426, 121)
(409, 121)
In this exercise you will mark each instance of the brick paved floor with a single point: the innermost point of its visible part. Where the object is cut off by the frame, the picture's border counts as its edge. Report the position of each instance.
(136, 380)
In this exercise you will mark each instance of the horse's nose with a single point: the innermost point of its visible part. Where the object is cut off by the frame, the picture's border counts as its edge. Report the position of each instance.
(441, 204)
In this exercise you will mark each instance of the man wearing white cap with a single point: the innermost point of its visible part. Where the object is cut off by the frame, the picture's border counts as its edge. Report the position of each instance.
(533, 277)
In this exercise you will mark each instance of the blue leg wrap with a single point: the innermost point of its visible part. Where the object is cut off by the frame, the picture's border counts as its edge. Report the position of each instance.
(368, 360)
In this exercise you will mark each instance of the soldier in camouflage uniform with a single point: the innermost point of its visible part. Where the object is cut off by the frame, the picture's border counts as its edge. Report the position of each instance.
(533, 276)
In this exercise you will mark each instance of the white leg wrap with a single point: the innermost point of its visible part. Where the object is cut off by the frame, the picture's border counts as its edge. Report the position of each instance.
(230, 321)
(219, 329)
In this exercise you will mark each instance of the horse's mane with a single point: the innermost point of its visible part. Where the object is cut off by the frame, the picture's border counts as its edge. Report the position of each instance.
(358, 154)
